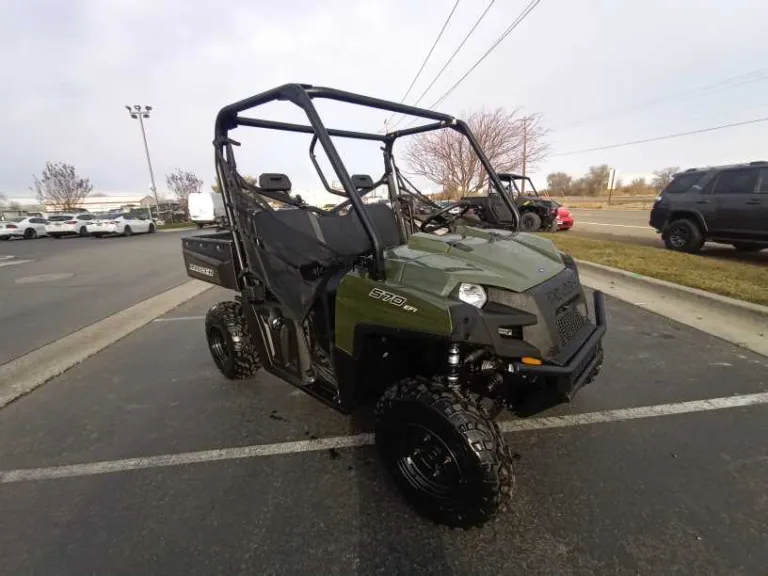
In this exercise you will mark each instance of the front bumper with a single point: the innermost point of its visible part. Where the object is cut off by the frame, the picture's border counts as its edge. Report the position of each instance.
(583, 364)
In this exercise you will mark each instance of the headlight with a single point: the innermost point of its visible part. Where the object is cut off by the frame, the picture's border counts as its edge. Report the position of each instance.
(473, 294)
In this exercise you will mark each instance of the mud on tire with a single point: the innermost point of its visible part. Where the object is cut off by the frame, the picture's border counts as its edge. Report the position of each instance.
(450, 461)
(229, 341)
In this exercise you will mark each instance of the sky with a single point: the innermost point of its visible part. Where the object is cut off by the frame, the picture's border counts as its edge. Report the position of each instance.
(600, 72)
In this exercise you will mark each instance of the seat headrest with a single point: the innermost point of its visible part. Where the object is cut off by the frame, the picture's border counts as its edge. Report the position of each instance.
(275, 182)
(362, 181)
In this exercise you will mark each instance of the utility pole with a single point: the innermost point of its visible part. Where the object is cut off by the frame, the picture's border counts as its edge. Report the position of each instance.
(139, 112)
(525, 153)
(611, 180)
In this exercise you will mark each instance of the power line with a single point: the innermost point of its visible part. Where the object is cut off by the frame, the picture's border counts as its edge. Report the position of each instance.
(455, 52)
(758, 75)
(528, 9)
(424, 63)
(667, 137)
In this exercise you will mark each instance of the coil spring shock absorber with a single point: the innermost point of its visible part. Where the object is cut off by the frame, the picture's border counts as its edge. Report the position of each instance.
(454, 361)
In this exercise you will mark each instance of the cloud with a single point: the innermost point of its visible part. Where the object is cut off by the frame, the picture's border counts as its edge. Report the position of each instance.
(71, 67)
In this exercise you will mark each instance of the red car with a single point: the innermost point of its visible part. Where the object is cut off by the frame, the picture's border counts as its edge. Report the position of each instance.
(564, 218)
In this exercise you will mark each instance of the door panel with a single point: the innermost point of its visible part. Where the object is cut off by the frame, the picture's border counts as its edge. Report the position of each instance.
(734, 197)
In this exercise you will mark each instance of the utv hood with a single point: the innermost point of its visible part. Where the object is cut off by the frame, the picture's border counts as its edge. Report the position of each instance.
(500, 258)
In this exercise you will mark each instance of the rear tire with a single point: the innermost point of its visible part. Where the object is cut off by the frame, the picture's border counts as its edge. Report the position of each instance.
(83, 232)
(127, 231)
(530, 222)
(30, 233)
(230, 342)
(747, 247)
(683, 236)
(450, 461)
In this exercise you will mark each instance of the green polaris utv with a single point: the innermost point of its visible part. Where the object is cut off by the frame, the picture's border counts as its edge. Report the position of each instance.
(440, 324)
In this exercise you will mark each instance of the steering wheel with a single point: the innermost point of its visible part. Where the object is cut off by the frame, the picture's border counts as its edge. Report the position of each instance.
(444, 216)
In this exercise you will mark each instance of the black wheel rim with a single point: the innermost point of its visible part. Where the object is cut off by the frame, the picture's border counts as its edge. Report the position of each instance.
(679, 236)
(217, 342)
(427, 463)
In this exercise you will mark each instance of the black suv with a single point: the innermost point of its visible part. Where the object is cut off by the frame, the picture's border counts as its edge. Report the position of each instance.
(727, 204)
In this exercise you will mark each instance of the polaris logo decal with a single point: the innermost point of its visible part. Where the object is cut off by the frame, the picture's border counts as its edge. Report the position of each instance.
(201, 270)
(394, 299)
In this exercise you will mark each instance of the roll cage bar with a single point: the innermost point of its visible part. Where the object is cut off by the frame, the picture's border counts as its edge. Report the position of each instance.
(513, 179)
(302, 95)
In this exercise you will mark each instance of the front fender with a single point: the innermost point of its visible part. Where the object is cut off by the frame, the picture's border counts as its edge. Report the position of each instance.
(360, 300)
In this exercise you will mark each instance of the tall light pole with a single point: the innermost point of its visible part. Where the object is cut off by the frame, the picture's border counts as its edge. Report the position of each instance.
(139, 112)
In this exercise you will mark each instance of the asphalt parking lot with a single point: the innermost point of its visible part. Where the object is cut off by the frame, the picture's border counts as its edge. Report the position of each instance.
(666, 494)
(51, 288)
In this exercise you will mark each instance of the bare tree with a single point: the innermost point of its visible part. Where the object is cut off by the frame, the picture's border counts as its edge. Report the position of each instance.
(664, 176)
(60, 187)
(182, 184)
(559, 183)
(446, 158)
(594, 182)
(250, 179)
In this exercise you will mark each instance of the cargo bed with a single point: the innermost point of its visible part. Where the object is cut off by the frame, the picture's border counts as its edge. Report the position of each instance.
(211, 258)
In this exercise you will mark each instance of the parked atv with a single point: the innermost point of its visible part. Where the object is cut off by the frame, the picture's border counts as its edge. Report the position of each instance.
(441, 324)
(536, 212)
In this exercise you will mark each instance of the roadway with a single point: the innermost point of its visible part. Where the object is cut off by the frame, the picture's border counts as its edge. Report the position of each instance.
(51, 288)
(667, 493)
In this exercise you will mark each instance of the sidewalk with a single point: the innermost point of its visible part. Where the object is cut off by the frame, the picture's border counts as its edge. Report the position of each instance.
(742, 323)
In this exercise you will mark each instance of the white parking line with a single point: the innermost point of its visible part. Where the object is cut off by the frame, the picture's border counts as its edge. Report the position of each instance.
(13, 262)
(179, 318)
(615, 225)
(166, 460)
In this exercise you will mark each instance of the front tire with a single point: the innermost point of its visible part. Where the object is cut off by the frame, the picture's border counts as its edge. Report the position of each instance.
(127, 231)
(83, 232)
(151, 228)
(450, 461)
(530, 222)
(230, 342)
(683, 236)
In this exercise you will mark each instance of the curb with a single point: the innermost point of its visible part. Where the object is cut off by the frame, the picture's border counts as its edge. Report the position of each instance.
(742, 323)
(723, 300)
(22, 375)
(182, 229)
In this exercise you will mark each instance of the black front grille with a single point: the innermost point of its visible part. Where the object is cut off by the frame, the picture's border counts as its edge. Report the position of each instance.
(569, 324)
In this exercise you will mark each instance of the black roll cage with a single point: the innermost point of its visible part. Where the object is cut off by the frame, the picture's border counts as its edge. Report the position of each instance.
(302, 96)
(513, 179)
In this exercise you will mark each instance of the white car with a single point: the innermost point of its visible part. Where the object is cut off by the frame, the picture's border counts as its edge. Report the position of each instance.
(68, 225)
(122, 224)
(27, 228)
(8, 229)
